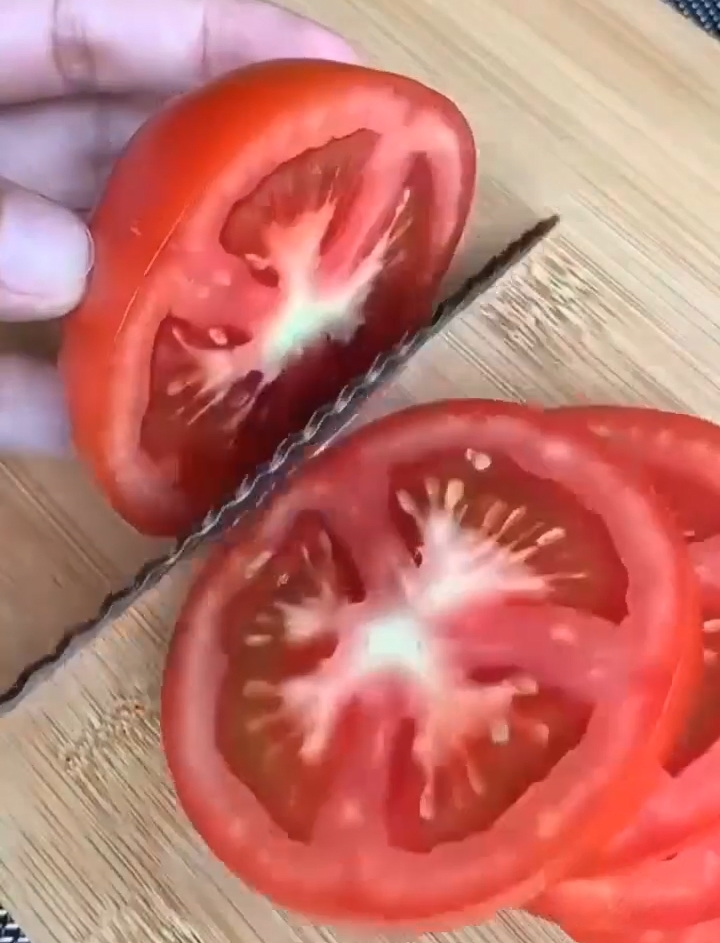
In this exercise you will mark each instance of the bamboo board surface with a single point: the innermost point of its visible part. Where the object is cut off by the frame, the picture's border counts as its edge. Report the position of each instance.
(605, 111)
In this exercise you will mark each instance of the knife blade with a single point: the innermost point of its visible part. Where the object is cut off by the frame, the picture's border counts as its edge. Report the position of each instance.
(324, 426)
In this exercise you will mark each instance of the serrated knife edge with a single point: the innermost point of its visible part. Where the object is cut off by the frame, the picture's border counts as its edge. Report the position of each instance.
(323, 426)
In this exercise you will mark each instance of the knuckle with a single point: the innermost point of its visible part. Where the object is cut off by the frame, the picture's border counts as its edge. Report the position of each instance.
(72, 50)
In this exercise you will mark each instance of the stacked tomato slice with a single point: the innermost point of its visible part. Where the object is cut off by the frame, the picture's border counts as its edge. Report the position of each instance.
(465, 659)
(659, 880)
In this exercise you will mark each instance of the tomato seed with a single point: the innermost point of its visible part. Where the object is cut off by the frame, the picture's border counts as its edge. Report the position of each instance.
(432, 487)
(257, 563)
(475, 780)
(478, 460)
(500, 732)
(493, 516)
(218, 336)
(454, 493)
(562, 633)
(176, 387)
(526, 686)
(407, 503)
(551, 536)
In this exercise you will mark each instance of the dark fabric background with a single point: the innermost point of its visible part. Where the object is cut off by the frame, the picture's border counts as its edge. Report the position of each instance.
(10, 932)
(706, 13)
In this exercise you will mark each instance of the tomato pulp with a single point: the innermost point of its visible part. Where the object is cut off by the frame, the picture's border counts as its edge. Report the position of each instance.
(664, 870)
(394, 697)
(260, 241)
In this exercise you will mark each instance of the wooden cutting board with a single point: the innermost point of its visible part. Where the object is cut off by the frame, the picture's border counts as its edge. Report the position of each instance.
(606, 111)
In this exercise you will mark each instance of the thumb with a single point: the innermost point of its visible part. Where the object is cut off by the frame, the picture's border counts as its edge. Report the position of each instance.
(45, 256)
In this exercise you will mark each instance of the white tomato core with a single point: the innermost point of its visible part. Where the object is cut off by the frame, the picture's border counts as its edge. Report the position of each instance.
(408, 648)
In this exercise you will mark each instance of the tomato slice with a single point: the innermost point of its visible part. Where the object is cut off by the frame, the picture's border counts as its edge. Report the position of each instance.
(258, 244)
(682, 455)
(665, 888)
(388, 698)
(662, 894)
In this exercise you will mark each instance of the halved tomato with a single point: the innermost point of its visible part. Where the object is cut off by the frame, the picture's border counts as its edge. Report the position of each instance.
(388, 698)
(682, 455)
(261, 240)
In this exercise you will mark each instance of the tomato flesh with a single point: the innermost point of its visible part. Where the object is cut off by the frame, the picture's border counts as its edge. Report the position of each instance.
(664, 870)
(390, 698)
(240, 286)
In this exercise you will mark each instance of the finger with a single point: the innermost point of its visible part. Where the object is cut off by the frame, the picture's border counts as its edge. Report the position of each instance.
(65, 149)
(58, 47)
(45, 256)
(33, 417)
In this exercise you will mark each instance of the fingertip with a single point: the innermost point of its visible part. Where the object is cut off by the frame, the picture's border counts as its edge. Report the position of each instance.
(317, 42)
(33, 415)
(46, 254)
(255, 31)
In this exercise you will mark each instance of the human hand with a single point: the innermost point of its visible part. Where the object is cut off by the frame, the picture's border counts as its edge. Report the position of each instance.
(60, 132)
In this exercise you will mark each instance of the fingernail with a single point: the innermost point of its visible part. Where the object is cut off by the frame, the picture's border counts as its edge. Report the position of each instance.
(45, 256)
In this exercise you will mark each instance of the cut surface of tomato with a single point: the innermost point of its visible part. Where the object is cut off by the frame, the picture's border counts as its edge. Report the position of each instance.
(390, 699)
(258, 244)
(666, 887)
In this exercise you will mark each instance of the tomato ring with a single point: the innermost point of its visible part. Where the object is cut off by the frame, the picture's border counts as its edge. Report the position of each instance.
(356, 860)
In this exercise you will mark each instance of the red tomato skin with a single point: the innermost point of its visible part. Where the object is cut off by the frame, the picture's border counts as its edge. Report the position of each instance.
(638, 780)
(158, 182)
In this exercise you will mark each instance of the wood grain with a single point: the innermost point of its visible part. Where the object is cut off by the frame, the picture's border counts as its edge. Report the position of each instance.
(603, 110)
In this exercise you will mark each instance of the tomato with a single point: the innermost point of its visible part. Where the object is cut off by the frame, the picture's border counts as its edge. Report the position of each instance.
(708, 932)
(388, 699)
(260, 241)
(663, 894)
(682, 454)
(664, 889)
